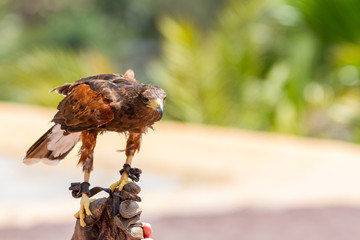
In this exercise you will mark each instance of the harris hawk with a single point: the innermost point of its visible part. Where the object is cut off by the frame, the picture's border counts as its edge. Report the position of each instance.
(93, 105)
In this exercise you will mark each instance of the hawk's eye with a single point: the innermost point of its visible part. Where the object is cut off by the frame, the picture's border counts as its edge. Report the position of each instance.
(146, 99)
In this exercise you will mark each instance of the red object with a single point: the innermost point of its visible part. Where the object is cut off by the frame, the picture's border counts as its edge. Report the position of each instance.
(147, 230)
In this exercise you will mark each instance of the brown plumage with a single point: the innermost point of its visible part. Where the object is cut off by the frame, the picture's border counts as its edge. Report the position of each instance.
(107, 102)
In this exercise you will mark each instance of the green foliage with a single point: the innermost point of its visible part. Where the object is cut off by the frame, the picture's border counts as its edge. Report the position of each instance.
(261, 67)
(35, 73)
(272, 65)
(332, 20)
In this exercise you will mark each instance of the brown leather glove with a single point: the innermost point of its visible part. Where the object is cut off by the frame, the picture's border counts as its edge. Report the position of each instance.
(115, 217)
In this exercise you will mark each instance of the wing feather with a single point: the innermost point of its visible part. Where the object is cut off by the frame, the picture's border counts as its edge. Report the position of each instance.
(83, 108)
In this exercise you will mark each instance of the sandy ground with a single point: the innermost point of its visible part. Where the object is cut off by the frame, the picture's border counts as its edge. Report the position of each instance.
(189, 170)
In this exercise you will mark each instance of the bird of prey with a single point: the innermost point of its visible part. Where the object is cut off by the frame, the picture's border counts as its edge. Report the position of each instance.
(93, 105)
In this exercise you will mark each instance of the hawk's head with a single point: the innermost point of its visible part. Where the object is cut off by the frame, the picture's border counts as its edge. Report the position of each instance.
(153, 97)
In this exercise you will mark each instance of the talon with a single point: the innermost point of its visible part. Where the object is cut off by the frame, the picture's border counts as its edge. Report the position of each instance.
(126, 172)
(84, 209)
(121, 183)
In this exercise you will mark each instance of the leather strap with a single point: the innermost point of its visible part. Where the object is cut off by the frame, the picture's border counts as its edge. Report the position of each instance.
(134, 173)
(77, 189)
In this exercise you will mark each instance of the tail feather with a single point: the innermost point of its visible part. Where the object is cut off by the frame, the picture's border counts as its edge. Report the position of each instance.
(52, 147)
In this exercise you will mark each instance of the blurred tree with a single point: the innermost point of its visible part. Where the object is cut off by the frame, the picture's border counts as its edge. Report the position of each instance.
(35, 73)
(286, 66)
(332, 20)
(124, 31)
(261, 67)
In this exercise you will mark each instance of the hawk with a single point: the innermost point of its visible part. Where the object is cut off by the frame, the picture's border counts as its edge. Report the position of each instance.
(93, 105)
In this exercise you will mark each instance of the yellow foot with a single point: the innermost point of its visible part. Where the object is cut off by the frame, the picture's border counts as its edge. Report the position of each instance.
(84, 209)
(121, 183)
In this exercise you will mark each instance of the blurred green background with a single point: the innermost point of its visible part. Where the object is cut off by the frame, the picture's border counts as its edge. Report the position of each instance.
(269, 65)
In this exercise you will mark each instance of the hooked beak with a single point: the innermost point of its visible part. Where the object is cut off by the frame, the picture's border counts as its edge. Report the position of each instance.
(156, 104)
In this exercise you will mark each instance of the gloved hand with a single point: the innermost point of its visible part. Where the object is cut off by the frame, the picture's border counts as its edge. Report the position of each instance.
(118, 215)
